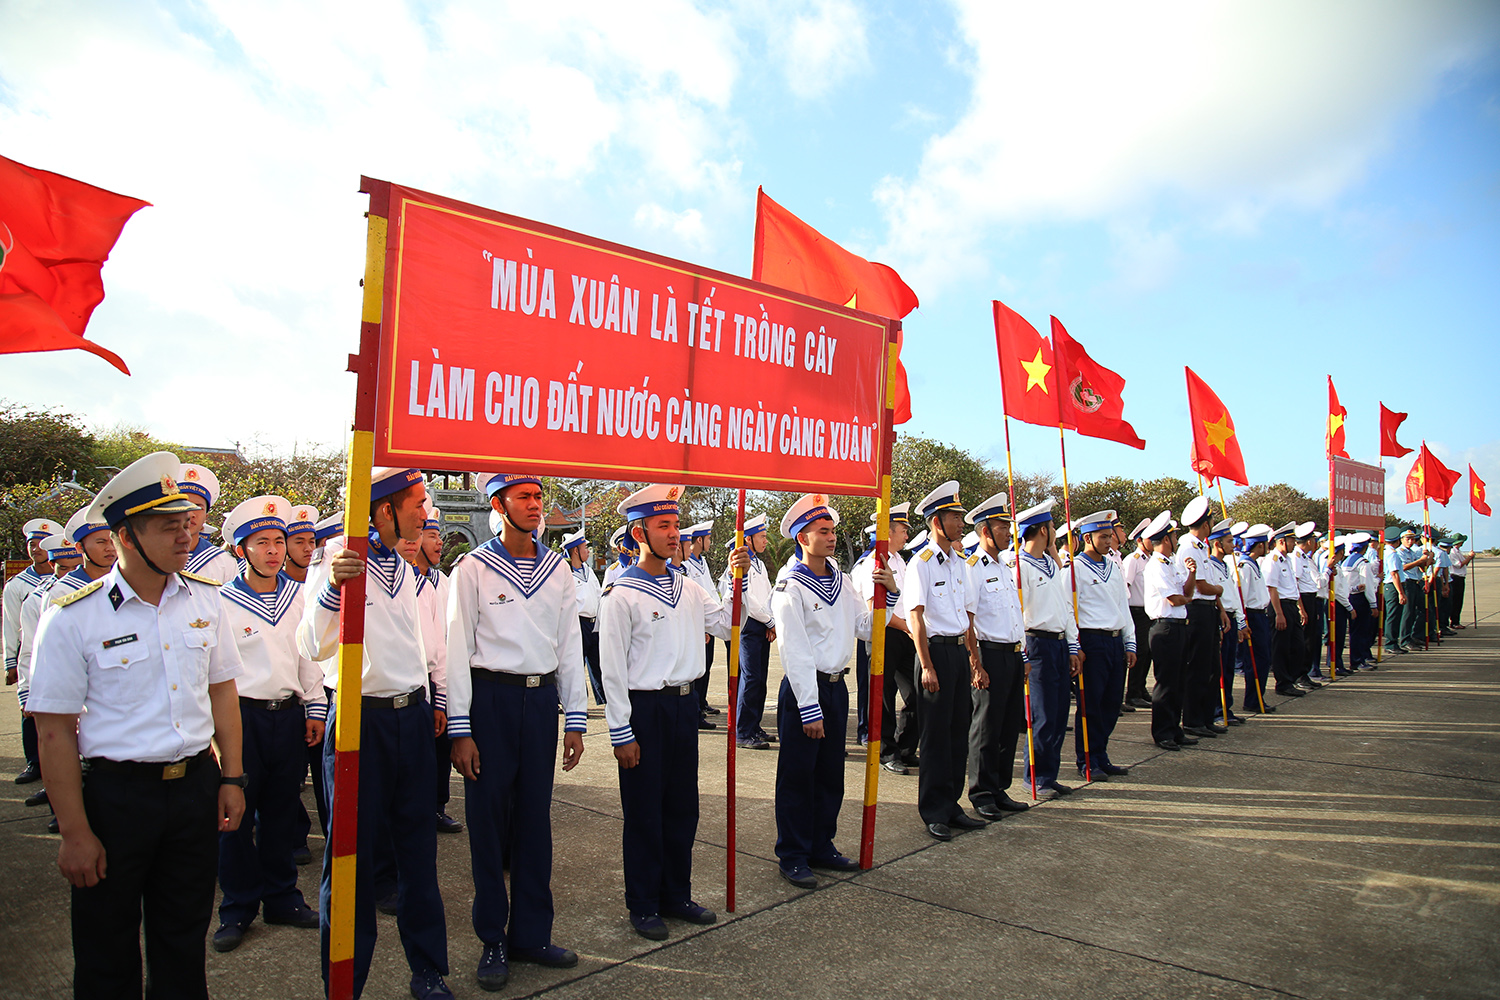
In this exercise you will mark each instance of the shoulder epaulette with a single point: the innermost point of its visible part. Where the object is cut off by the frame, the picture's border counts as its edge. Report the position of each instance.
(780, 586)
(926, 554)
(974, 559)
(79, 594)
(200, 579)
(606, 590)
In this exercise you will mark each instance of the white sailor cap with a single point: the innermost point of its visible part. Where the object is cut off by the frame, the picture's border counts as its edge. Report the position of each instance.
(387, 480)
(685, 534)
(39, 528)
(302, 518)
(80, 527)
(1195, 513)
(899, 512)
(945, 497)
(433, 519)
(755, 525)
(995, 506)
(702, 529)
(573, 539)
(806, 509)
(491, 483)
(146, 486)
(329, 526)
(870, 530)
(1040, 514)
(1285, 531)
(1340, 542)
(1254, 535)
(57, 546)
(1221, 530)
(1159, 526)
(495, 522)
(1240, 527)
(1136, 531)
(256, 514)
(917, 543)
(971, 542)
(1306, 530)
(1101, 521)
(199, 481)
(1360, 538)
(658, 498)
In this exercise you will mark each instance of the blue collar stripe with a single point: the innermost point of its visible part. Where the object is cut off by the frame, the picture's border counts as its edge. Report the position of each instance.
(527, 575)
(668, 590)
(827, 587)
(270, 607)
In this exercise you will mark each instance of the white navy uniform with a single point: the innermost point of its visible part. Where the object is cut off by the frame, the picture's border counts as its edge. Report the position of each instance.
(1166, 578)
(999, 710)
(17, 590)
(1106, 635)
(755, 646)
(31, 613)
(936, 582)
(207, 559)
(432, 603)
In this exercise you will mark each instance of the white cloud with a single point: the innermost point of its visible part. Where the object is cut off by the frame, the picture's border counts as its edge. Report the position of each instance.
(686, 227)
(1089, 111)
(816, 44)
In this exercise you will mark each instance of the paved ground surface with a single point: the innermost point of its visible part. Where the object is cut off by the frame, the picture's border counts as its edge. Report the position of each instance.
(1346, 846)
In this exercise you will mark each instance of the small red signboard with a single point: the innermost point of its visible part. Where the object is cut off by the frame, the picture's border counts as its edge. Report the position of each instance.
(1358, 495)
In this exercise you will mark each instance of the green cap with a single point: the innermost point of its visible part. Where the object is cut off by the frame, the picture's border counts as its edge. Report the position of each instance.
(1393, 534)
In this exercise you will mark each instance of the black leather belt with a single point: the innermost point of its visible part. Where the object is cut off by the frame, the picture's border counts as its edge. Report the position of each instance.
(398, 701)
(290, 701)
(1040, 634)
(145, 769)
(1112, 633)
(1173, 622)
(1004, 647)
(946, 640)
(518, 680)
(832, 677)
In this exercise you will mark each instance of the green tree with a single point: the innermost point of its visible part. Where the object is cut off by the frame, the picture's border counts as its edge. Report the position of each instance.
(42, 445)
(1276, 504)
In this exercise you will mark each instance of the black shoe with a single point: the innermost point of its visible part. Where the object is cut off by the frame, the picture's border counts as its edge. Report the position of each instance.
(52, 825)
(301, 916)
(837, 863)
(1187, 741)
(447, 824)
(1009, 804)
(768, 737)
(939, 831)
(1235, 720)
(710, 710)
(799, 875)
(1096, 774)
(494, 970)
(387, 904)
(704, 723)
(911, 759)
(551, 955)
(691, 912)
(1060, 788)
(1115, 770)
(752, 744)
(1168, 744)
(894, 766)
(37, 799)
(1127, 707)
(228, 937)
(992, 813)
(1139, 702)
(1290, 692)
(430, 986)
(1202, 732)
(33, 772)
(1218, 727)
(649, 926)
(302, 855)
(963, 821)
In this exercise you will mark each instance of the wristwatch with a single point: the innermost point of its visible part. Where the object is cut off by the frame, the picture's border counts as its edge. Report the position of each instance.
(241, 780)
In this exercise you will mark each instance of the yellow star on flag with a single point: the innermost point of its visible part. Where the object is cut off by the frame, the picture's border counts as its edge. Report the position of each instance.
(1335, 421)
(1036, 371)
(1218, 432)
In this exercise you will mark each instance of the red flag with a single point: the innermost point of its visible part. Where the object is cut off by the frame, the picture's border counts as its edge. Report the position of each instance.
(791, 254)
(1390, 420)
(1430, 479)
(1476, 493)
(1028, 374)
(1092, 395)
(1334, 436)
(1216, 448)
(55, 235)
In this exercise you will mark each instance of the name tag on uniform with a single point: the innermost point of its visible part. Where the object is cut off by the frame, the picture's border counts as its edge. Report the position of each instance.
(939, 583)
(120, 640)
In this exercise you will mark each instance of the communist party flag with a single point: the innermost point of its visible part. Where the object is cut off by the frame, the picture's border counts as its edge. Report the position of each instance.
(1092, 395)
(55, 235)
(1476, 493)
(1028, 372)
(1430, 479)
(1334, 437)
(1390, 420)
(791, 254)
(1216, 448)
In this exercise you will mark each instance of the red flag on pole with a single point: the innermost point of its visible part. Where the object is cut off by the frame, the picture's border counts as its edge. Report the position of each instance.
(1216, 447)
(791, 254)
(1334, 436)
(1476, 493)
(1028, 372)
(55, 235)
(1092, 395)
(1430, 479)
(1390, 420)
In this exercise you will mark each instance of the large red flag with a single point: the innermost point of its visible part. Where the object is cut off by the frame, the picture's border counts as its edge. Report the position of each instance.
(1390, 420)
(1216, 448)
(1430, 479)
(55, 235)
(1334, 435)
(1028, 372)
(1092, 395)
(791, 254)
(1476, 493)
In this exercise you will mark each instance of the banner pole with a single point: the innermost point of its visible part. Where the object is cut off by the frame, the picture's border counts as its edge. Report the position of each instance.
(876, 691)
(1239, 589)
(1471, 553)
(1426, 550)
(1015, 541)
(1330, 600)
(1380, 590)
(344, 822)
(736, 603)
(1083, 718)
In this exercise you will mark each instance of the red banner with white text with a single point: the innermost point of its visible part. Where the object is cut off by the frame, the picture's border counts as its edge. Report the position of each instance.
(514, 346)
(1358, 496)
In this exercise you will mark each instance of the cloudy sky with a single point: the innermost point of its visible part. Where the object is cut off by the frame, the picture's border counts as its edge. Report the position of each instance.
(1270, 192)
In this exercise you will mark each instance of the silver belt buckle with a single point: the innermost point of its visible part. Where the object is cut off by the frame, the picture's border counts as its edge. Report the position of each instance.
(275, 705)
(533, 680)
(401, 701)
(685, 689)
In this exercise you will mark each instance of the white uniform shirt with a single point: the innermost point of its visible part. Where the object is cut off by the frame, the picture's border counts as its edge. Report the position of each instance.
(1342, 580)
(588, 590)
(1305, 569)
(264, 627)
(1460, 564)
(1103, 600)
(1279, 573)
(395, 657)
(1253, 584)
(755, 595)
(1222, 576)
(650, 638)
(935, 583)
(31, 614)
(1190, 546)
(991, 591)
(1164, 577)
(818, 619)
(1320, 569)
(1135, 577)
(514, 616)
(213, 562)
(1047, 597)
(136, 675)
(863, 578)
(698, 572)
(432, 605)
(16, 592)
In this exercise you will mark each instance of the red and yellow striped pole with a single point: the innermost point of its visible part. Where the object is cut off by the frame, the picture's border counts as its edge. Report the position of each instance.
(730, 772)
(344, 823)
(877, 624)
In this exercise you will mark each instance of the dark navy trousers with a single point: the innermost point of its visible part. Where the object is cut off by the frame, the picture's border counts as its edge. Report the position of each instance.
(1287, 646)
(944, 716)
(1047, 660)
(255, 861)
(1200, 677)
(1229, 650)
(1312, 635)
(28, 741)
(999, 716)
(395, 802)
(1103, 693)
(589, 629)
(515, 732)
(1255, 657)
(810, 775)
(1361, 631)
(708, 667)
(659, 799)
(1168, 645)
(755, 664)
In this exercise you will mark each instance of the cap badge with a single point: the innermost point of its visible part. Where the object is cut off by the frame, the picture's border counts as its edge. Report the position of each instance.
(192, 474)
(817, 498)
(270, 507)
(167, 485)
(672, 493)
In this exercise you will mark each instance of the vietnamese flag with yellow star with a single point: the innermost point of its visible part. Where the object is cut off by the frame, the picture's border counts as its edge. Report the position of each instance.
(1216, 448)
(1334, 436)
(1430, 479)
(1476, 494)
(1028, 371)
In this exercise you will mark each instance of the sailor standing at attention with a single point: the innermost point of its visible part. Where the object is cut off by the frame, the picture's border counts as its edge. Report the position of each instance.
(576, 547)
(1254, 654)
(1221, 543)
(898, 729)
(1106, 638)
(16, 592)
(1201, 666)
(1136, 695)
(756, 635)
(301, 541)
(819, 615)
(1169, 588)
(1281, 582)
(697, 567)
(207, 559)
(513, 639)
(425, 554)
(624, 548)
(650, 624)
(1053, 654)
(134, 676)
